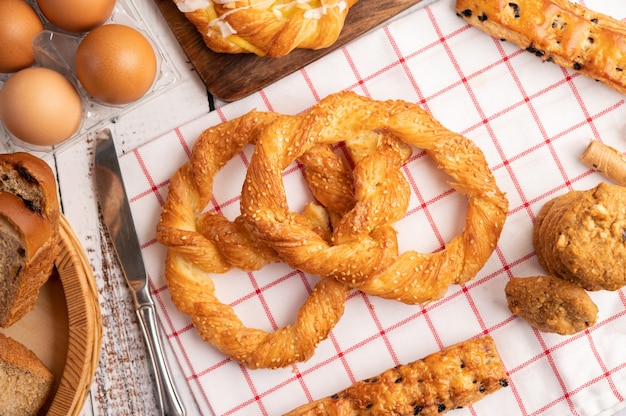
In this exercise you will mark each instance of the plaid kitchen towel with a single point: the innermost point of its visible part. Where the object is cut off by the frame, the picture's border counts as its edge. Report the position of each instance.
(532, 120)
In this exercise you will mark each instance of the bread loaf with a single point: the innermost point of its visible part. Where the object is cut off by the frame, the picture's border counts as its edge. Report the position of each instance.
(558, 31)
(26, 382)
(29, 232)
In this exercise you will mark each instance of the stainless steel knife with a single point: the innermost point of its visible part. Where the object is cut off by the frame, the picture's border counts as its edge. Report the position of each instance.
(118, 219)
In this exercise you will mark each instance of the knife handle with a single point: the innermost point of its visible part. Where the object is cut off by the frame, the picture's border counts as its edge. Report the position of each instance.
(170, 402)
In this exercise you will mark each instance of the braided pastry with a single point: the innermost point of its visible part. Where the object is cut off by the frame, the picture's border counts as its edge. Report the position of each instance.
(266, 27)
(200, 243)
(358, 255)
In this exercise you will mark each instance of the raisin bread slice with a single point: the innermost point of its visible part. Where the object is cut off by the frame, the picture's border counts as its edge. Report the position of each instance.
(25, 382)
(29, 232)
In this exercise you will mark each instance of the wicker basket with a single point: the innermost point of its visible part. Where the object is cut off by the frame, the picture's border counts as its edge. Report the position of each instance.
(84, 322)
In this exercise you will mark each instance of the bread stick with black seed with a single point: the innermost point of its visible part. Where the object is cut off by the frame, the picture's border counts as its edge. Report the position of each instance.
(457, 376)
(558, 31)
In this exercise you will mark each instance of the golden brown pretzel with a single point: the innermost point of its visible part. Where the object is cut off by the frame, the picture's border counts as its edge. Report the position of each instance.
(358, 256)
(266, 28)
(199, 243)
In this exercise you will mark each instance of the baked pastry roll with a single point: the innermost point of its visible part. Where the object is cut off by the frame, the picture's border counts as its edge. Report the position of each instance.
(266, 27)
(558, 31)
(457, 376)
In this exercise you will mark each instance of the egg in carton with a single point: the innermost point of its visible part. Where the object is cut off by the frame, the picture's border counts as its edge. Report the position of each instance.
(91, 55)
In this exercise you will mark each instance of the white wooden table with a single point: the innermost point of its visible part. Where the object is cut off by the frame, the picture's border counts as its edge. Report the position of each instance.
(122, 384)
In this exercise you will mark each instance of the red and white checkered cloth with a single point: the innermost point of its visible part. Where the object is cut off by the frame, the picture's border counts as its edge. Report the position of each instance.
(531, 119)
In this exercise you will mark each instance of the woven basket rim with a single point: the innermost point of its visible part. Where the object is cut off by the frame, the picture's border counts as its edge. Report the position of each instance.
(85, 325)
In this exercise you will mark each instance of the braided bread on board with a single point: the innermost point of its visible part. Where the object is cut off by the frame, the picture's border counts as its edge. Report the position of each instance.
(266, 28)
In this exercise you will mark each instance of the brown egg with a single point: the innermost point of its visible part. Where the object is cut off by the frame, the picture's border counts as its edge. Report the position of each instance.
(19, 23)
(116, 64)
(40, 106)
(76, 15)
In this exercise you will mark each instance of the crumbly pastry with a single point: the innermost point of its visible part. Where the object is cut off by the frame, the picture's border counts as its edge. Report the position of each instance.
(457, 376)
(558, 31)
(551, 304)
(26, 382)
(546, 234)
(266, 27)
(30, 180)
(357, 255)
(581, 237)
(202, 242)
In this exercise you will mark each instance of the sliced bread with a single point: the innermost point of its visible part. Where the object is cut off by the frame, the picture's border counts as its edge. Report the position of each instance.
(29, 232)
(25, 382)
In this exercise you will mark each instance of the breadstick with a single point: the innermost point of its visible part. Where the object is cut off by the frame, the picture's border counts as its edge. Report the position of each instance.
(606, 160)
(559, 31)
(457, 376)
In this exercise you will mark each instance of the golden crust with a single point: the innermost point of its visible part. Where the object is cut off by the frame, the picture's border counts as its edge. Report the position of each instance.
(33, 230)
(559, 31)
(267, 28)
(359, 254)
(457, 376)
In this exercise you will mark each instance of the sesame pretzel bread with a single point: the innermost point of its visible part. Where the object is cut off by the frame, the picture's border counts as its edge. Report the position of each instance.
(266, 27)
(357, 256)
(199, 243)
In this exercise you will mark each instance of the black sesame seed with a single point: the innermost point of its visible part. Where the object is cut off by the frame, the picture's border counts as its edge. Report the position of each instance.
(467, 13)
(334, 396)
(594, 20)
(578, 66)
(504, 382)
(417, 410)
(619, 69)
(441, 408)
(482, 389)
(369, 405)
(398, 380)
(482, 17)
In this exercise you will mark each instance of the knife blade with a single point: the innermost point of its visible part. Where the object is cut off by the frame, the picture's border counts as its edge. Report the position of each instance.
(119, 223)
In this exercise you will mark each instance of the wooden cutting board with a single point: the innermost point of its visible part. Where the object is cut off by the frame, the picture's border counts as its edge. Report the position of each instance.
(231, 77)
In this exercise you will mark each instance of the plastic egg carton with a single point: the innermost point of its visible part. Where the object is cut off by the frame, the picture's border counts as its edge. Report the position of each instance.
(56, 49)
